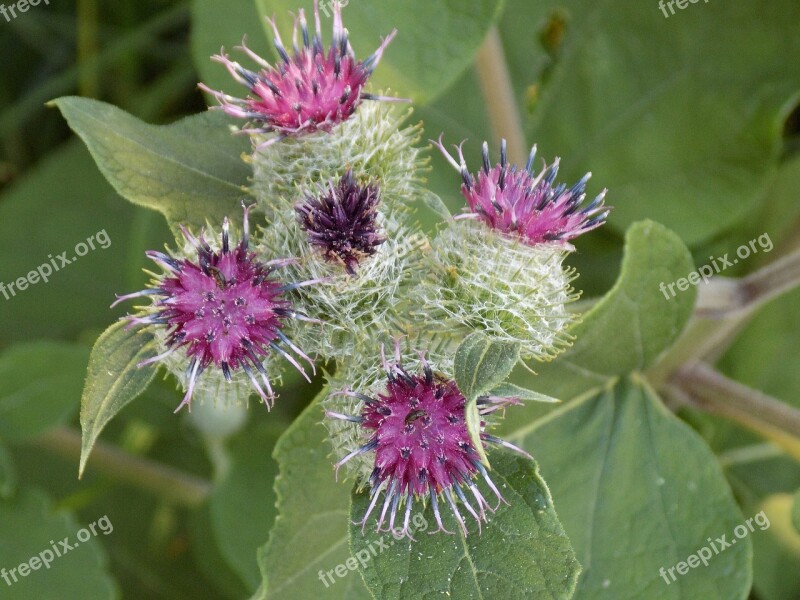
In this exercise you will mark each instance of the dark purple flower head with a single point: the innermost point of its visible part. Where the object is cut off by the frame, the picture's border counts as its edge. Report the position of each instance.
(418, 431)
(309, 91)
(342, 221)
(225, 309)
(517, 202)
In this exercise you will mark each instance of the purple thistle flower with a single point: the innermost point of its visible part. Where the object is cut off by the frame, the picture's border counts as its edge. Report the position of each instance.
(422, 446)
(342, 221)
(310, 91)
(517, 202)
(226, 309)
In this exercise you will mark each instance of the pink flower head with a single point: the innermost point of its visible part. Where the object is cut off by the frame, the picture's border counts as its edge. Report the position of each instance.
(517, 202)
(418, 431)
(226, 309)
(309, 91)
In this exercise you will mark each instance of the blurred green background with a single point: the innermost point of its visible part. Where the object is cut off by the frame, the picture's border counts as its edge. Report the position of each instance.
(691, 120)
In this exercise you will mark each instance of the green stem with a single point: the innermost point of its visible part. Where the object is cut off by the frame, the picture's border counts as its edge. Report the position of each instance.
(88, 84)
(166, 482)
(749, 454)
(498, 95)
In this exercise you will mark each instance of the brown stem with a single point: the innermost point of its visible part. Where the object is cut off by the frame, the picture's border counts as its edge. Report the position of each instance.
(709, 390)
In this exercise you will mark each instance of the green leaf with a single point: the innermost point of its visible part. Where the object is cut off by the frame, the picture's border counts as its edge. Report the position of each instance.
(632, 324)
(676, 139)
(510, 390)
(436, 205)
(481, 364)
(435, 43)
(40, 219)
(8, 474)
(637, 491)
(29, 521)
(40, 387)
(247, 489)
(521, 553)
(796, 511)
(113, 379)
(310, 531)
(189, 171)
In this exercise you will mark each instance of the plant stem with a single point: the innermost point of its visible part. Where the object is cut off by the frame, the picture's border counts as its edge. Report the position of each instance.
(498, 95)
(88, 82)
(166, 482)
(731, 296)
(709, 390)
(724, 306)
(749, 454)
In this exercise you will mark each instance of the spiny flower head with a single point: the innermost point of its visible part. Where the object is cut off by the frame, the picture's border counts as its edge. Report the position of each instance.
(309, 91)
(224, 309)
(341, 221)
(519, 203)
(422, 449)
(485, 280)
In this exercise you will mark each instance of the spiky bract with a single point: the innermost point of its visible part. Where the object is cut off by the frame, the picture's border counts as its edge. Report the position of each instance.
(487, 281)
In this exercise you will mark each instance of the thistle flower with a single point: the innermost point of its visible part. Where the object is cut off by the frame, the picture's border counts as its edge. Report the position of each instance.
(517, 202)
(499, 267)
(310, 91)
(422, 448)
(341, 221)
(224, 309)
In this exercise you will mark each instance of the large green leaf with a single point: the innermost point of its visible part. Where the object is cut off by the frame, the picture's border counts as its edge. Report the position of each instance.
(632, 324)
(521, 553)
(247, 489)
(189, 171)
(310, 532)
(637, 491)
(679, 117)
(29, 530)
(436, 40)
(40, 386)
(50, 210)
(113, 379)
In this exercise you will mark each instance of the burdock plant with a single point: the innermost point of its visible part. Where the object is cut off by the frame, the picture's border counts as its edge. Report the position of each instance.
(351, 252)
